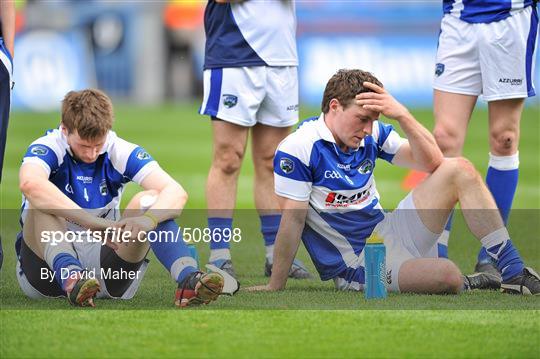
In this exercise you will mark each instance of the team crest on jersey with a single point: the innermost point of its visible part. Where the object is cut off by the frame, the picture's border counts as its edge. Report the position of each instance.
(39, 150)
(229, 100)
(286, 165)
(439, 69)
(103, 188)
(143, 155)
(366, 167)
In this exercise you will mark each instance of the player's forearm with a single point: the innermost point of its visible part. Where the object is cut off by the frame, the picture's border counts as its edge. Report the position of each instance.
(285, 248)
(425, 151)
(170, 202)
(46, 197)
(7, 14)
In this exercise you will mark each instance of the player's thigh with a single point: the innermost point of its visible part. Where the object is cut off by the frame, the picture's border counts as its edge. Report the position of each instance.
(280, 105)
(457, 67)
(452, 113)
(234, 94)
(506, 53)
(264, 141)
(436, 196)
(406, 236)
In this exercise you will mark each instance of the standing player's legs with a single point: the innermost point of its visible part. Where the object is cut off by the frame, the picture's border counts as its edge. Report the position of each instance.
(507, 57)
(232, 97)
(502, 174)
(265, 140)
(229, 146)
(452, 113)
(277, 114)
(457, 84)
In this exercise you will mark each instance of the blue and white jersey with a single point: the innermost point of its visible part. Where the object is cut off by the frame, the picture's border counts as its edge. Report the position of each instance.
(95, 187)
(250, 33)
(484, 11)
(344, 205)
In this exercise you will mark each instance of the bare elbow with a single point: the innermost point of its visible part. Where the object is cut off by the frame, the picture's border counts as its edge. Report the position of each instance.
(181, 196)
(27, 187)
(184, 198)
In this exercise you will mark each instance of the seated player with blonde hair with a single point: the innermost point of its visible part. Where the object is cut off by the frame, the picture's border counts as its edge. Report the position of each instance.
(72, 180)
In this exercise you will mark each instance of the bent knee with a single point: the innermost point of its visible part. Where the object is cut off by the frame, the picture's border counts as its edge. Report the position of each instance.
(459, 169)
(264, 163)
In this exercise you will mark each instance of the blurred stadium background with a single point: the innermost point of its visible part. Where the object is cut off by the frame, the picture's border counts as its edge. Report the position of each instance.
(147, 55)
(149, 52)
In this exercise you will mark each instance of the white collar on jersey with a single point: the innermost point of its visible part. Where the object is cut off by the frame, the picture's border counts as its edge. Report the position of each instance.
(327, 135)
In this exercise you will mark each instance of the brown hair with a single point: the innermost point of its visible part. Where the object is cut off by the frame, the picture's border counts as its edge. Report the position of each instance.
(89, 112)
(345, 85)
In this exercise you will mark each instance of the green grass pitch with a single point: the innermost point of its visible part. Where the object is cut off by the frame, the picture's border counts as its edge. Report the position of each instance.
(310, 318)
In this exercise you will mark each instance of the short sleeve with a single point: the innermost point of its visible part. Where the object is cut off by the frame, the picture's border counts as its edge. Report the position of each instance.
(131, 160)
(292, 174)
(45, 152)
(388, 141)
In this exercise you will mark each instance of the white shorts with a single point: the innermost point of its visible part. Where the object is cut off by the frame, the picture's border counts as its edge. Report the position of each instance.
(405, 237)
(495, 60)
(89, 256)
(249, 95)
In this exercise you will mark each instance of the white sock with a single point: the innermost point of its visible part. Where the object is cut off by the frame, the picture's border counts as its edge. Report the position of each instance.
(496, 237)
(217, 254)
(443, 238)
(269, 253)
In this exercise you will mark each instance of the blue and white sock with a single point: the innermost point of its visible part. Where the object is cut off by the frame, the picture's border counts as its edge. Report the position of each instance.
(269, 228)
(63, 261)
(501, 179)
(174, 255)
(220, 243)
(499, 247)
(442, 241)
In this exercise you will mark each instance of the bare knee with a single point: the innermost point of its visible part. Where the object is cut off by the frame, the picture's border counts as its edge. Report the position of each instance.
(448, 278)
(228, 159)
(264, 163)
(449, 141)
(504, 143)
(459, 171)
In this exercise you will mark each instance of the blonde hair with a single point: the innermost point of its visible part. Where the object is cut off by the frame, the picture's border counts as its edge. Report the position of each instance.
(89, 112)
